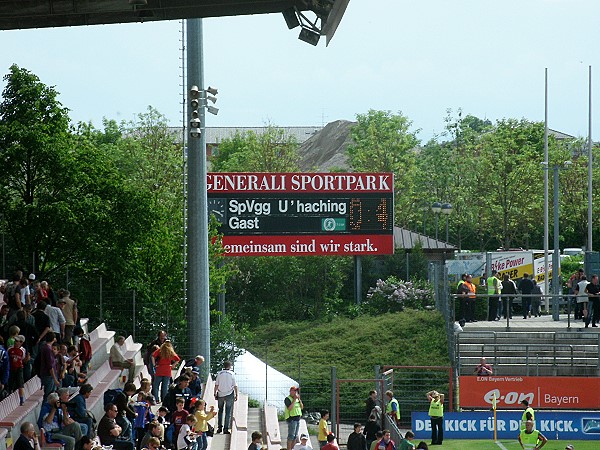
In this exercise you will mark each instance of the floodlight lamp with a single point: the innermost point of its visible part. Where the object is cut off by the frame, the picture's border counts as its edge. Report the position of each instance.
(309, 36)
(212, 90)
(195, 114)
(195, 123)
(436, 207)
(213, 110)
(194, 92)
(211, 98)
(195, 132)
(568, 164)
(291, 18)
(194, 103)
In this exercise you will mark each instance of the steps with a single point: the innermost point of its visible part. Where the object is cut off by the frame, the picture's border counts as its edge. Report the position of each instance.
(530, 353)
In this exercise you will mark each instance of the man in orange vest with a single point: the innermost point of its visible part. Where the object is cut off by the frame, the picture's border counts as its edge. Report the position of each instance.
(470, 303)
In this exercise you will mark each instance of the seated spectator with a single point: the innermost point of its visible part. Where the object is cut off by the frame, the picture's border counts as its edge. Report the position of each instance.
(78, 409)
(28, 440)
(117, 360)
(152, 444)
(126, 414)
(86, 443)
(109, 432)
(195, 383)
(56, 422)
(483, 369)
(155, 430)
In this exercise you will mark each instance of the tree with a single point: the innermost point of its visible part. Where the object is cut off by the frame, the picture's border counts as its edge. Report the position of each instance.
(382, 142)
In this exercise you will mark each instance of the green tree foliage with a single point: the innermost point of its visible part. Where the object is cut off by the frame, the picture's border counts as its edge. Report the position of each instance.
(270, 151)
(382, 142)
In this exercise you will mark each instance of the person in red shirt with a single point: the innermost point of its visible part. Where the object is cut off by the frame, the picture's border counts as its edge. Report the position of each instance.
(331, 445)
(163, 360)
(178, 417)
(18, 356)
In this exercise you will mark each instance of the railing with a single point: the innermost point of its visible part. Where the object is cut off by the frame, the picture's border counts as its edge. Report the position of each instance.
(395, 433)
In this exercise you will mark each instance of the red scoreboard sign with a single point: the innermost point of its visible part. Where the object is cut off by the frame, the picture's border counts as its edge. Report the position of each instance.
(300, 214)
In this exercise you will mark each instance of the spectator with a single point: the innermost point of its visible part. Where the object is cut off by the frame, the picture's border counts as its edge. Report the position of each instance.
(331, 445)
(186, 438)
(18, 358)
(179, 415)
(356, 440)
(593, 291)
(423, 445)
(109, 432)
(86, 443)
(436, 415)
(256, 443)
(494, 287)
(526, 288)
(406, 443)
(393, 407)
(323, 428)
(226, 393)
(57, 320)
(529, 437)
(154, 431)
(77, 408)
(470, 290)
(536, 299)
(292, 413)
(370, 402)
(4, 366)
(152, 443)
(509, 292)
(181, 390)
(84, 347)
(581, 311)
(483, 369)
(195, 383)
(47, 365)
(126, 414)
(54, 419)
(118, 360)
(69, 310)
(303, 444)
(151, 348)
(195, 362)
(12, 295)
(141, 406)
(202, 418)
(28, 440)
(163, 360)
(386, 442)
(572, 285)
(371, 428)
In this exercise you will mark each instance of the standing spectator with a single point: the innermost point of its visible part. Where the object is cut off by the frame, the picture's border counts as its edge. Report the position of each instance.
(24, 292)
(226, 393)
(179, 415)
(78, 408)
(356, 440)
(180, 390)
(18, 358)
(54, 419)
(526, 288)
(471, 291)
(126, 413)
(256, 443)
(536, 298)
(117, 359)
(41, 321)
(593, 291)
(85, 348)
(163, 360)
(509, 292)
(195, 383)
(581, 311)
(12, 295)
(202, 418)
(378, 438)
(323, 428)
(393, 407)
(292, 413)
(406, 443)
(151, 348)
(186, 438)
(529, 437)
(436, 415)
(57, 321)
(371, 429)
(370, 403)
(386, 442)
(494, 286)
(109, 432)
(483, 369)
(28, 440)
(573, 297)
(47, 365)
(69, 310)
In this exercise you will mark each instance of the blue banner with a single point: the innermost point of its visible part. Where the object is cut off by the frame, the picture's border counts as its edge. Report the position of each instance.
(566, 425)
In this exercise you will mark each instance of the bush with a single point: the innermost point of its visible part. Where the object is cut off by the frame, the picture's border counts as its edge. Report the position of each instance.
(393, 295)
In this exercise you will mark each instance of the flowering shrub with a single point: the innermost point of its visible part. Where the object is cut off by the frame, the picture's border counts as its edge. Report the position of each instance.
(394, 295)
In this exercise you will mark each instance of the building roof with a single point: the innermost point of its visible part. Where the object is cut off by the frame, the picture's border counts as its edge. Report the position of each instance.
(407, 239)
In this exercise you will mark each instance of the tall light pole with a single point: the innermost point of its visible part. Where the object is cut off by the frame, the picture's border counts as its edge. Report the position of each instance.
(447, 210)
(436, 207)
(589, 211)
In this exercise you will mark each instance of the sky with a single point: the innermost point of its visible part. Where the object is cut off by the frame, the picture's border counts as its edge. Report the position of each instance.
(418, 57)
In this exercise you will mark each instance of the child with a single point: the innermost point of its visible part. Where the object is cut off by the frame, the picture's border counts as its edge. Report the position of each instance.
(13, 332)
(178, 417)
(18, 358)
(186, 439)
(202, 418)
(256, 441)
(323, 428)
(141, 408)
(161, 418)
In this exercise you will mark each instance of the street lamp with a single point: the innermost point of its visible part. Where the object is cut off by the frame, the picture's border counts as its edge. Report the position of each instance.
(446, 210)
(436, 207)
(424, 208)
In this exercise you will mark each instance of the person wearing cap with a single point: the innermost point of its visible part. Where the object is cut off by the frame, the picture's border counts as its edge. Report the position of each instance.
(436, 415)
(531, 438)
(226, 393)
(195, 383)
(18, 357)
(528, 414)
(293, 413)
(303, 444)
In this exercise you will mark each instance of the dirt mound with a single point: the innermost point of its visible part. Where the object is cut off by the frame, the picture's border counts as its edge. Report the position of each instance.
(326, 150)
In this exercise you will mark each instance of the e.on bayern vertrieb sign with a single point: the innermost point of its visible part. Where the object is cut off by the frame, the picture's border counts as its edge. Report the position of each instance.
(300, 214)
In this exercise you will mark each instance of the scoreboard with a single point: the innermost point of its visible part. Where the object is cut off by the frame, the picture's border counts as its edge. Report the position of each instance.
(303, 214)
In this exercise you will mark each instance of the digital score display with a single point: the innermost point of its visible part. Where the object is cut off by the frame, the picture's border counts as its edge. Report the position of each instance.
(303, 214)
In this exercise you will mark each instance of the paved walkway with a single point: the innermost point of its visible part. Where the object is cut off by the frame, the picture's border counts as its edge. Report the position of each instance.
(542, 323)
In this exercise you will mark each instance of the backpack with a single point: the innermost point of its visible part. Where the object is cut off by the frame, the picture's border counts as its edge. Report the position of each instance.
(111, 395)
(85, 350)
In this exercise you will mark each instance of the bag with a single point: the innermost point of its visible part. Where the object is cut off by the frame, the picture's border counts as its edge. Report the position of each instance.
(211, 430)
(111, 395)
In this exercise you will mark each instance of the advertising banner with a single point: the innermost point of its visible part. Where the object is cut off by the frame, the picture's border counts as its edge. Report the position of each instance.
(563, 425)
(296, 214)
(540, 392)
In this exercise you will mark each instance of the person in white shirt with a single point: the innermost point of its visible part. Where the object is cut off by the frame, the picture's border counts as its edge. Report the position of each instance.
(186, 439)
(226, 392)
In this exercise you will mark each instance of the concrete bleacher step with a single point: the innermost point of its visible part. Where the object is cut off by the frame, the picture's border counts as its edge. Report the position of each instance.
(254, 423)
